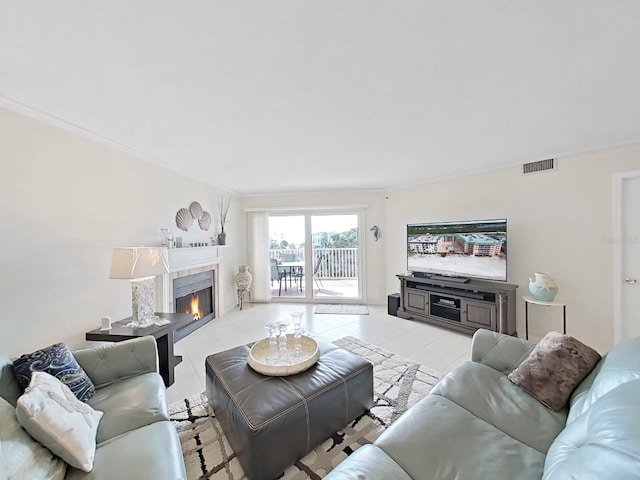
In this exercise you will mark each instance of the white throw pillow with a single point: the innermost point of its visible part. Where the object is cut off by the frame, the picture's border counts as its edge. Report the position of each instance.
(21, 457)
(53, 416)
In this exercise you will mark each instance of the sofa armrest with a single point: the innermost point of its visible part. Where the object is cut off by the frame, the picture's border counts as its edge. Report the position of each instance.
(108, 363)
(498, 351)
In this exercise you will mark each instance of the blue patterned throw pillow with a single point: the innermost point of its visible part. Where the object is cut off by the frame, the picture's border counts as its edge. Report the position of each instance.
(56, 360)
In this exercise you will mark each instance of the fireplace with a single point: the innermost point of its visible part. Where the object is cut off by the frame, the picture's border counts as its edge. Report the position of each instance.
(191, 270)
(195, 295)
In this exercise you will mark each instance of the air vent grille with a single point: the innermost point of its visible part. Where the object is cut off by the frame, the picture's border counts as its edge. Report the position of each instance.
(539, 166)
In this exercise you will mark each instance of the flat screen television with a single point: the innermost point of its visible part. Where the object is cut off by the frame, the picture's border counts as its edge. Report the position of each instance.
(460, 250)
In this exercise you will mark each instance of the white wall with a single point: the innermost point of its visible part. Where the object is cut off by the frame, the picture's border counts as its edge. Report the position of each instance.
(558, 222)
(374, 252)
(65, 202)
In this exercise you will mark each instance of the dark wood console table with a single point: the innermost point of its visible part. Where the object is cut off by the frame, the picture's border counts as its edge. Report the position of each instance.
(163, 335)
(464, 307)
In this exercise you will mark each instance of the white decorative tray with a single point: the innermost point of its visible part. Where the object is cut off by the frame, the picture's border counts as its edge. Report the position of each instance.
(308, 356)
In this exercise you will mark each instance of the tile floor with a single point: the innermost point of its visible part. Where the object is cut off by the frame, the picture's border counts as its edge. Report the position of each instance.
(434, 347)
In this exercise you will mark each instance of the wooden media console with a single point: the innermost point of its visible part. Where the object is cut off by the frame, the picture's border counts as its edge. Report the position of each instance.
(464, 307)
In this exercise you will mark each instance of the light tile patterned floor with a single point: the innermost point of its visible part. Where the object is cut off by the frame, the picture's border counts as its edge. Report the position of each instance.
(434, 347)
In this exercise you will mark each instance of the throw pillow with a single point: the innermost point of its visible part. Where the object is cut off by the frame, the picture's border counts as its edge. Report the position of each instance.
(554, 368)
(53, 416)
(21, 457)
(58, 361)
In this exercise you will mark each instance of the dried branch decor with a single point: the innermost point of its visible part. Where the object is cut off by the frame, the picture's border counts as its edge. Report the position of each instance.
(223, 209)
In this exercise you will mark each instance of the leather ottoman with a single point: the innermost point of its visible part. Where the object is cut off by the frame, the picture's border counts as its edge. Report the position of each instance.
(271, 422)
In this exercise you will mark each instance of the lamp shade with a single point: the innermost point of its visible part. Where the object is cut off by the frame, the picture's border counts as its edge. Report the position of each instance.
(139, 262)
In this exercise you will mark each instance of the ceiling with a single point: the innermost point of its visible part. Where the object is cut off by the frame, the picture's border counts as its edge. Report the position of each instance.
(288, 96)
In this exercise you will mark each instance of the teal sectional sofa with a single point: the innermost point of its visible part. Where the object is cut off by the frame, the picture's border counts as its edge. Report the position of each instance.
(476, 424)
(135, 439)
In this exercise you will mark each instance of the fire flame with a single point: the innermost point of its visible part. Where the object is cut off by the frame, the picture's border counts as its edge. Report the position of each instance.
(195, 307)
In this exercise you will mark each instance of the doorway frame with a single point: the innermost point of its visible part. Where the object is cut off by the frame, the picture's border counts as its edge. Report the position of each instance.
(308, 212)
(617, 241)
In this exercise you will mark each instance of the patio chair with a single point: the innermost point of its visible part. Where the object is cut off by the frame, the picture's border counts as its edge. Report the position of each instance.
(297, 274)
(277, 274)
(315, 272)
(293, 273)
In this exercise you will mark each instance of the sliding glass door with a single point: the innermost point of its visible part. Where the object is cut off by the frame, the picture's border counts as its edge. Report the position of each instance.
(336, 256)
(315, 256)
(286, 255)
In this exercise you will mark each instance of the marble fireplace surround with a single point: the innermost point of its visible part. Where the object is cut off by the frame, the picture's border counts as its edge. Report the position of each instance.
(184, 262)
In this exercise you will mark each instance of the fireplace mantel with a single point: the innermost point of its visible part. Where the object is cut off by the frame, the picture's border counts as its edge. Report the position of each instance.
(188, 258)
(183, 262)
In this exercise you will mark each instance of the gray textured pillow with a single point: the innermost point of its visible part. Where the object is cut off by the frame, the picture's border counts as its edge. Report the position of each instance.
(554, 368)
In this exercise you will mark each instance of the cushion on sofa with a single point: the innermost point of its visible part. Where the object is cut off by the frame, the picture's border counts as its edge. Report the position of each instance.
(436, 438)
(554, 368)
(498, 351)
(151, 452)
(603, 442)
(129, 404)
(490, 396)
(619, 365)
(21, 457)
(113, 362)
(53, 416)
(369, 461)
(56, 360)
(10, 390)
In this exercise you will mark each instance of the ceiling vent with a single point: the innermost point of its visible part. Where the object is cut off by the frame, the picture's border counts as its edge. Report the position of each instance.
(539, 166)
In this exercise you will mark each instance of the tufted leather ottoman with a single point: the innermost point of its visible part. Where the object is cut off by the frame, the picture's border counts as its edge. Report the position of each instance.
(271, 422)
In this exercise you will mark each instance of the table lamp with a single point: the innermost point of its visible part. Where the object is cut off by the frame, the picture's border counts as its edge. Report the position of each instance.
(140, 265)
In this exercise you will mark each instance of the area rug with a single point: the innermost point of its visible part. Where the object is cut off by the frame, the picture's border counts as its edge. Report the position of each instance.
(398, 384)
(341, 309)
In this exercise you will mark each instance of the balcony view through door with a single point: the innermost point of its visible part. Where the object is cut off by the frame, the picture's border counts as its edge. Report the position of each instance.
(314, 256)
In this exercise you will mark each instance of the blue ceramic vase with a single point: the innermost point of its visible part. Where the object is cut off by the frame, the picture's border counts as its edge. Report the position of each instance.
(543, 287)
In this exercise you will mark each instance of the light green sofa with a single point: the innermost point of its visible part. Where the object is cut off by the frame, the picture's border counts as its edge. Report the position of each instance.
(476, 424)
(135, 439)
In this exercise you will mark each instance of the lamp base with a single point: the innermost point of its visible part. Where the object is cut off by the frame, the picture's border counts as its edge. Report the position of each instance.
(143, 301)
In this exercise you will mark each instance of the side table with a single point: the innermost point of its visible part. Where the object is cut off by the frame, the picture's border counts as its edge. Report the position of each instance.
(163, 335)
(528, 300)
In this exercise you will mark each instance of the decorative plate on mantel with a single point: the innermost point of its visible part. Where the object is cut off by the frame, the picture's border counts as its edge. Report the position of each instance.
(205, 221)
(309, 355)
(196, 210)
(184, 219)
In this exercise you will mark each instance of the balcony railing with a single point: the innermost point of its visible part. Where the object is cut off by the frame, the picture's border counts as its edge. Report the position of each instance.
(338, 263)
